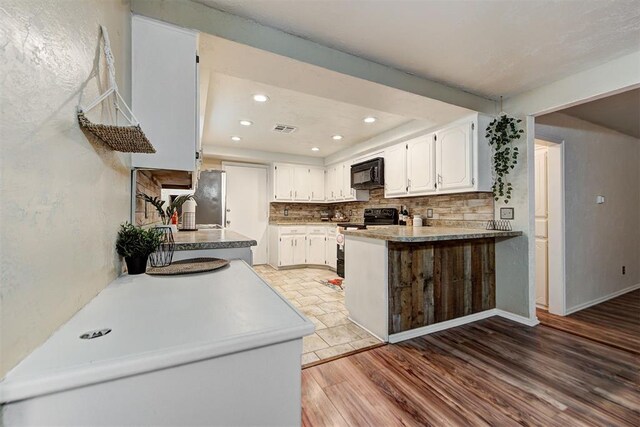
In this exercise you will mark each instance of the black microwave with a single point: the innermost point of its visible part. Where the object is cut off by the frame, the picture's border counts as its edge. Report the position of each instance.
(368, 174)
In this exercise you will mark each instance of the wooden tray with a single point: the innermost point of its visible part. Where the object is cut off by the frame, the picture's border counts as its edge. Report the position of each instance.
(188, 266)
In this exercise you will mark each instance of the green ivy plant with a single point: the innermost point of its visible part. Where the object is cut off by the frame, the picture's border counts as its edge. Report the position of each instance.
(166, 213)
(501, 133)
(136, 242)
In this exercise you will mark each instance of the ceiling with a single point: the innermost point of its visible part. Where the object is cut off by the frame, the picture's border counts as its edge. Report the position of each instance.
(317, 119)
(490, 48)
(619, 112)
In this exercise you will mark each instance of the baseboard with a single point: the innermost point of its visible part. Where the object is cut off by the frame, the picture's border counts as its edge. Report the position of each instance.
(601, 299)
(362, 327)
(517, 318)
(417, 332)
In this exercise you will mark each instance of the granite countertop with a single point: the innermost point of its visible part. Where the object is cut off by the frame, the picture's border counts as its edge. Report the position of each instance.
(211, 239)
(398, 233)
(327, 223)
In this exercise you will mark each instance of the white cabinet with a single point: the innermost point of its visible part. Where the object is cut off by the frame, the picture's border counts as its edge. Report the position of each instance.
(395, 170)
(316, 184)
(338, 184)
(297, 183)
(283, 183)
(454, 157)
(164, 92)
(421, 173)
(332, 191)
(302, 245)
(316, 248)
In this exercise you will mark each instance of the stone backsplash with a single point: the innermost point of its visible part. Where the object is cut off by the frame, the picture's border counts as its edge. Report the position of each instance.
(145, 212)
(462, 210)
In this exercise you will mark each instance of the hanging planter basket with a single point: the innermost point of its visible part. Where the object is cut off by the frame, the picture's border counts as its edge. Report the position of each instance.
(128, 138)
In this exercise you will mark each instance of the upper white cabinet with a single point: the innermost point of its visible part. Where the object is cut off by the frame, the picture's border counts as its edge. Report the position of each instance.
(297, 183)
(164, 91)
(455, 159)
(395, 170)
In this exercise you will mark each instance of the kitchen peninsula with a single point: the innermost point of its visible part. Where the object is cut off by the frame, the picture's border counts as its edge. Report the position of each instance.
(212, 242)
(400, 281)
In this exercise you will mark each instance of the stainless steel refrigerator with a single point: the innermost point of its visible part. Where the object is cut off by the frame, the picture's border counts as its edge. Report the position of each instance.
(210, 196)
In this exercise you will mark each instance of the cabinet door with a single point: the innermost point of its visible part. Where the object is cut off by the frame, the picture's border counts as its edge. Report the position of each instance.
(164, 93)
(286, 250)
(348, 193)
(316, 249)
(421, 165)
(283, 182)
(331, 250)
(299, 250)
(454, 158)
(301, 183)
(316, 184)
(395, 170)
(330, 190)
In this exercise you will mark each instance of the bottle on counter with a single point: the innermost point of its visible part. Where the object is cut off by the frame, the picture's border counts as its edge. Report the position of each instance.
(401, 217)
(405, 214)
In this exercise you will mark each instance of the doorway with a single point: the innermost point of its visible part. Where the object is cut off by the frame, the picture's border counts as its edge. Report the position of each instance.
(549, 226)
(247, 205)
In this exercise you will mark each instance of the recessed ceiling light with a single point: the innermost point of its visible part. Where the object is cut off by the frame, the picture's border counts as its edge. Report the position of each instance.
(260, 98)
(369, 119)
(246, 122)
(337, 137)
(236, 138)
(315, 149)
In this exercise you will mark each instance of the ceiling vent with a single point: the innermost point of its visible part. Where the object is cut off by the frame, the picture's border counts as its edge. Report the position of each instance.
(284, 128)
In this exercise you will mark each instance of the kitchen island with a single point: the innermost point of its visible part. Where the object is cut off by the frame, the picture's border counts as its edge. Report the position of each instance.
(402, 282)
(213, 242)
(196, 349)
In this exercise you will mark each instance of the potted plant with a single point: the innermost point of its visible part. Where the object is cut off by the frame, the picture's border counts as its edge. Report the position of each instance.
(135, 244)
(170, 210)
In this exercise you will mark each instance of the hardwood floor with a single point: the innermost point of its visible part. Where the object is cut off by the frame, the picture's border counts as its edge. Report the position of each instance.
(615, 322)
(491, 372)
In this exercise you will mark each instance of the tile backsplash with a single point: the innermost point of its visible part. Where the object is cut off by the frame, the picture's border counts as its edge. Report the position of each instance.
(464, 210)
(145, 212)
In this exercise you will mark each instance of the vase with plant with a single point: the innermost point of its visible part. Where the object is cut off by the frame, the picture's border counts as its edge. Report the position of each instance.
(170, 210)
(135, 244)
(501, 133)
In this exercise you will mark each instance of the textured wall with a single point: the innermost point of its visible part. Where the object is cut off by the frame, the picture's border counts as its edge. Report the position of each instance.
(599, 239)
(145, 212)
(468, 209)
(62, 197)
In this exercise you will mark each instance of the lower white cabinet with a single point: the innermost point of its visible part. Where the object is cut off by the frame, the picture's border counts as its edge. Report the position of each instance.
(302, 245)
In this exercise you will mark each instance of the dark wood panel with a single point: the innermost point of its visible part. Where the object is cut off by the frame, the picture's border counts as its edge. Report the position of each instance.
(434, 282)
(615, 322)
(491, 372)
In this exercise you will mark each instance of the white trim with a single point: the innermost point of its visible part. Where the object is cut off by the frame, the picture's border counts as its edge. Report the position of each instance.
(358, 324)
(447, 324)
(602, 299)
(528, 321)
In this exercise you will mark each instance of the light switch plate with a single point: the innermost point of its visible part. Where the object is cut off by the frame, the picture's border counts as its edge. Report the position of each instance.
(429, 213)
(599, 200)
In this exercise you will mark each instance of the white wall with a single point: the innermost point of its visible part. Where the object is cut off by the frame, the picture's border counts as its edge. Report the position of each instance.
(62, 198)
(600, 239)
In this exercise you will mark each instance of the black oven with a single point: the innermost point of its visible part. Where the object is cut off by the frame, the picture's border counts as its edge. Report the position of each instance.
(367, 175)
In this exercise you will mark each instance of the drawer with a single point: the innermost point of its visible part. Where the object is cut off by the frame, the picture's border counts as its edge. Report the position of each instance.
(317, 230)
(292, 230)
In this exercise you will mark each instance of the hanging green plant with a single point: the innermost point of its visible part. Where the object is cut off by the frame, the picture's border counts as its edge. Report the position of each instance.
(501, 133)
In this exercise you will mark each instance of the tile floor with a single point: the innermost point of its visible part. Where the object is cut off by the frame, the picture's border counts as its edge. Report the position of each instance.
(335, 333)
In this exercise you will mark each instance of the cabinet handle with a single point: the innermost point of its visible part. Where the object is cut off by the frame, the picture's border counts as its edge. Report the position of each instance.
(290, 193)
(291, 242)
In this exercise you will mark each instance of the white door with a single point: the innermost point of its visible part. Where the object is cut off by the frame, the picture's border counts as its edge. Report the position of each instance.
(347, 191)
(283, 182)
(316, 184)
(542, 226)
(421, 172)
(301, 184)
(395, 170)
(316, 249)
(299, 250)
(454, 152)
(285, 250)
(248, 206)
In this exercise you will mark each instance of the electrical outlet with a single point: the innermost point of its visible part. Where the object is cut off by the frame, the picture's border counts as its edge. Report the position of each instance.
(429, 213)
(624, 270)
(286, 212)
